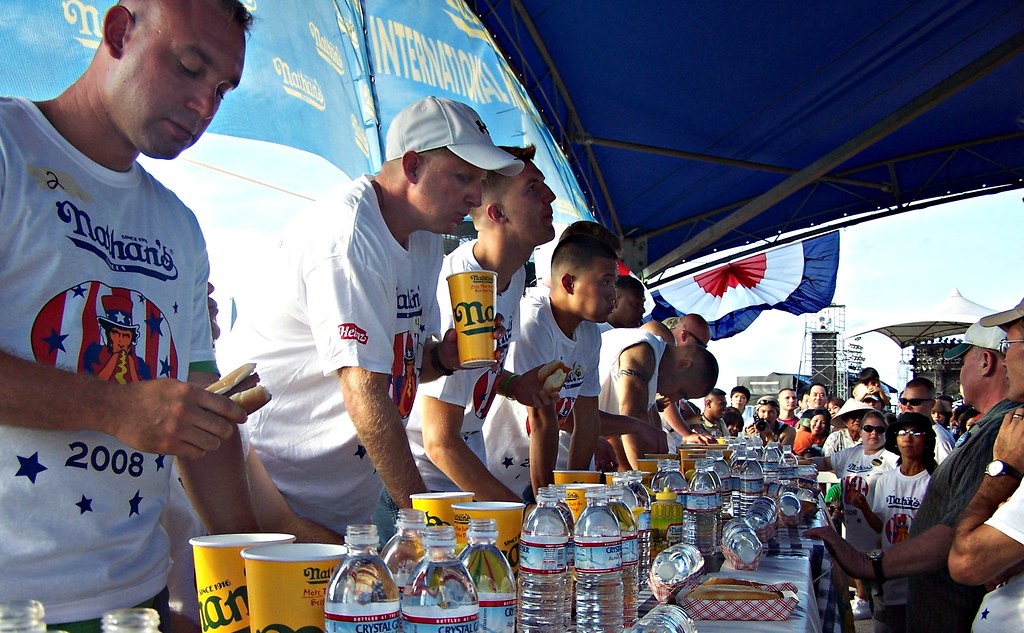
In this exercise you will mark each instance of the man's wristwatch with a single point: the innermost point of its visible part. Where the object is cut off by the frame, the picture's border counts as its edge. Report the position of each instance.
(876, 562)
(998, 468)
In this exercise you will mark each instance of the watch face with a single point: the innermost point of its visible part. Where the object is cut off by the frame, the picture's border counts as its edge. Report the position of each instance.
(994, 468)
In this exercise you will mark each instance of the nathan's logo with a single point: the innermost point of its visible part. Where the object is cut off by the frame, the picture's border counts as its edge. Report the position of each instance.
(434, 520)
(87, 18)
(408, 304)
(576, 376)
(349, 28)
(316, 576)
(352, 332)
(462, 517)
(299, 85)
(473, 313)
(327, 50)
(216, 611)
(121, 253)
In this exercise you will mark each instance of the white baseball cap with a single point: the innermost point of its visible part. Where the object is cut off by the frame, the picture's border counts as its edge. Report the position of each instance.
(976, 336)
(435, 122)
(1005, 318)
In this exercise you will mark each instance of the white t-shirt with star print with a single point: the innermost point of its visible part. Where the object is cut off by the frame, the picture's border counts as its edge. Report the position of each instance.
(474, 389)
(507, 429)
(339, 291)
(1002, 609)
(90, 260)
(857, 471)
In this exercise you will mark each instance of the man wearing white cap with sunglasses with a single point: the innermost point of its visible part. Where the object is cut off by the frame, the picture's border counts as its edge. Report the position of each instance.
(340, 330)
(937, 602)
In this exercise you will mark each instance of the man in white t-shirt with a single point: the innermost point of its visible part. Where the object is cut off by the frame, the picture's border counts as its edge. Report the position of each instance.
(445, 426)
(522, 442)
(340, 330)
(103, 291)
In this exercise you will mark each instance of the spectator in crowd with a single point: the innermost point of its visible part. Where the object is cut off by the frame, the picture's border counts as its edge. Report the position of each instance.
(919, 397)
(857, 467)
(895, 498)
(711, 418)
(808, 442)
(942, 411)
(869, 378)
(817, 396)
(739, 396)
(787, 407)
(963, 417)
(767, 426)
(733, 421)
(834, 405)
(847, 427)
(936, 602)
(92, 453)
(341, 325)
(868, 395)
(629, 303)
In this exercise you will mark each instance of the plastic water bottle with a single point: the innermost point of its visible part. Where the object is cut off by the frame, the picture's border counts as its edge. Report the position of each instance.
(598, 567)
(492, 577)
(702, 508)
(724, 473)
(632, 481)
(664, 618)
(770, 462)
(440, 595)
(751, 484)
(362, 595)
(739, 456)
(22, 616)
(789, 466)
(404, 551)
(630, 553)
(139, 620)
(570, 556)
(543, 580)
(669, 476)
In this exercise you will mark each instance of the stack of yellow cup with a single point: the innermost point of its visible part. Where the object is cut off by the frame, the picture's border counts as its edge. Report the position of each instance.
(220, 578)
(437, 506)
(509, 516)
(577, 477)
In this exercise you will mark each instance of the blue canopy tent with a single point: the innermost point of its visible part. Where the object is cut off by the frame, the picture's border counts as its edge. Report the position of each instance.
(697, 127)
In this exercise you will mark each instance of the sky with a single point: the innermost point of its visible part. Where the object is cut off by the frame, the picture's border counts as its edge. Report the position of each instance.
(887, 268)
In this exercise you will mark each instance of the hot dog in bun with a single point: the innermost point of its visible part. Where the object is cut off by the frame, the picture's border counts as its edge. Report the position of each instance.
(553, 374)
(241, 386)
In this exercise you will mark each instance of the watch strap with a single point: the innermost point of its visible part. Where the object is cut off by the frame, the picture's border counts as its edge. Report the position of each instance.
(876, 562)
(1008, 470)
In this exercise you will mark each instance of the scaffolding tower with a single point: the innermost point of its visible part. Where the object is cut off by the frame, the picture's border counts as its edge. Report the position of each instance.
(827, 358)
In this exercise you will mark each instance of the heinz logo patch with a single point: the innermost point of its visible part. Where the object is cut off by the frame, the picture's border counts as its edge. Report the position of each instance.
(352, 332)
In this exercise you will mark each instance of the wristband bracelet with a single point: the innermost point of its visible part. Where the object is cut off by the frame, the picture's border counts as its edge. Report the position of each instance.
(505, 384)
(435, 360)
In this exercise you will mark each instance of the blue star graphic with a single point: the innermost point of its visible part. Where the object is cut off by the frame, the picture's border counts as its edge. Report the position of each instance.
(55, 340)
(85, 505)
(142, 297)
(507, 462)
(984, 614)
(153, 323)
(160, 462)
(175, 307)
(30, 467)
(134, 502)
(360, 451)
(79, 291)
(165, 367)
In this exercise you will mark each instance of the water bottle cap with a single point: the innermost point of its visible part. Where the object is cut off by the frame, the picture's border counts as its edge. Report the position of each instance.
(439, 536)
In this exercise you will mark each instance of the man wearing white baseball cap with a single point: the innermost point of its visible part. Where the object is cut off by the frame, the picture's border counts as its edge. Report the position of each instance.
(340, 330)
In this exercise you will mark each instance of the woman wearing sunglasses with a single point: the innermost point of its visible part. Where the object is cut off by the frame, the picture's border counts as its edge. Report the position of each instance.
(895, 497)
(858, 467)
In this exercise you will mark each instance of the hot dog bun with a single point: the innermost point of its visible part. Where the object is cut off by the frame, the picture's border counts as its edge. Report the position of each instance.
(232, 379)
(731, 589)
(252, 400)
(553, 374)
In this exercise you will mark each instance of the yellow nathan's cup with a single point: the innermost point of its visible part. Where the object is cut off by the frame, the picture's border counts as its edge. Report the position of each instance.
(288, 585)
(577, 477)
(647, 465)
(509, 516)
(473, 294)
(220, 578)
(437, 506)
(576, 497)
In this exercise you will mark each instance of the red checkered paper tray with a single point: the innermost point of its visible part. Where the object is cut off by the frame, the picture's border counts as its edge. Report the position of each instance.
(779, 609)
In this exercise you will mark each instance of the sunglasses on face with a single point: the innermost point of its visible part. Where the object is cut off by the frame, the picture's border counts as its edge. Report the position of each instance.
(910, 432)
(914, 402)
(872, 429)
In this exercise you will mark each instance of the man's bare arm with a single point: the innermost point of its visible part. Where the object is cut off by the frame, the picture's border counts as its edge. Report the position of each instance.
(381, 432)
(585, 428)
(273, 512)
(442, 440)
(632, 377)
(923, 553)
(168, 416)
(543, 445)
